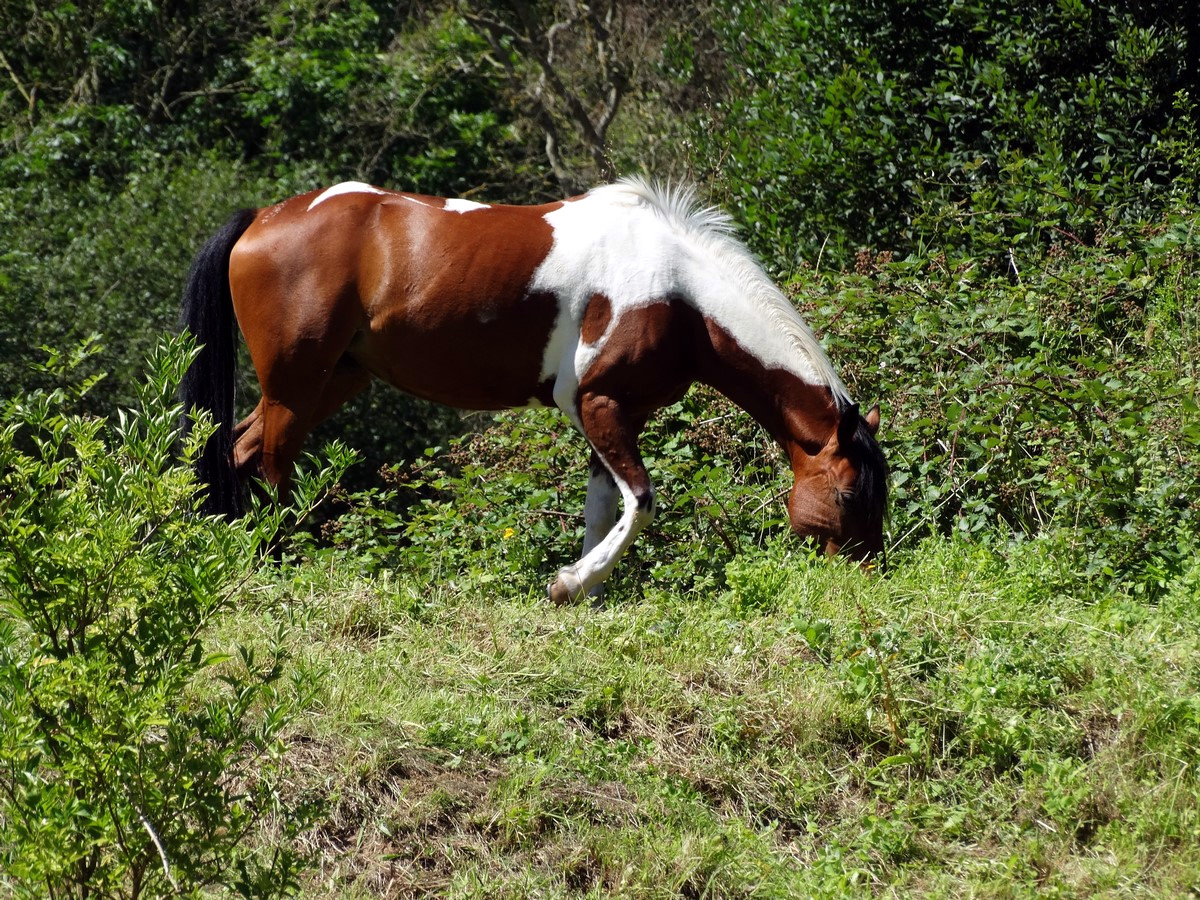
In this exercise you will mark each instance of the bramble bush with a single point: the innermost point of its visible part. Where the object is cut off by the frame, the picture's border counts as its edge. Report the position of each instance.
(1049, 392)
(136, 758)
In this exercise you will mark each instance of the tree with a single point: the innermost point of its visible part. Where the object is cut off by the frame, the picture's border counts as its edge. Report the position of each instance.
(575, 65)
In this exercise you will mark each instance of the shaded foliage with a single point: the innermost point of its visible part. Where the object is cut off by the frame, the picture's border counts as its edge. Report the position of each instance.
(858, 124)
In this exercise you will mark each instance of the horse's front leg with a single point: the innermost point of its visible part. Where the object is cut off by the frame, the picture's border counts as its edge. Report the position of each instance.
(613, 436)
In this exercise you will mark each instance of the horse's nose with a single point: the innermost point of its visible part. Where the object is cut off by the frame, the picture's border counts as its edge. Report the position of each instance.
(866, 556)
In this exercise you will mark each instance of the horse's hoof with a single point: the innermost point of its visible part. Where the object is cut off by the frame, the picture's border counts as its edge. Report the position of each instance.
(564, 590)
(557, 593)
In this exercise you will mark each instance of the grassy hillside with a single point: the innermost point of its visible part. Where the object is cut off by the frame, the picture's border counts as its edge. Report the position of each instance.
(390, 707)
(957, 727)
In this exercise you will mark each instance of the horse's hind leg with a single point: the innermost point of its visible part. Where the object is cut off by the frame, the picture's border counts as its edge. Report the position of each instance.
(270, 438)
(247, 445)
(613, 436)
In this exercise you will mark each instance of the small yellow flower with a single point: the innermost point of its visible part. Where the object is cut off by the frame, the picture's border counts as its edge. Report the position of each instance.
(508, 532)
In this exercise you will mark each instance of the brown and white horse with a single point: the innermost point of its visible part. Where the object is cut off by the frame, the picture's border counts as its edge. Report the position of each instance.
(608, 306)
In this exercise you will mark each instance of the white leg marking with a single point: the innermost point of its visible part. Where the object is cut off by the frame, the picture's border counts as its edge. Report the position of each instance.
(597, 564)
(599, 514)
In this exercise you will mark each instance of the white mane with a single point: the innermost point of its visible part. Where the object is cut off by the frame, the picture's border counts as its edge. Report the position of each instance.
(712, 230)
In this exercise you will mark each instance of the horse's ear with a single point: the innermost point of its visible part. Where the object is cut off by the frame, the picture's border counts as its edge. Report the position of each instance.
(848, 425)
(872, 419)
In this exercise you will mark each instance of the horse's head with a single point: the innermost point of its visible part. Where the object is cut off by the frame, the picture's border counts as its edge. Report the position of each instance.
(839, 494)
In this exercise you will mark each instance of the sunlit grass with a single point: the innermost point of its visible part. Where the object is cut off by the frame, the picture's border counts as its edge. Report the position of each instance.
(952, 727)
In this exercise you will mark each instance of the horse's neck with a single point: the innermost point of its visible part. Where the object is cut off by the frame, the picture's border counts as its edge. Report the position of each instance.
(792, 410)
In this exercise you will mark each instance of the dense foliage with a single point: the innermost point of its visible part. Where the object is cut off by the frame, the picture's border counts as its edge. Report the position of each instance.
(988, 210)
(867, 124)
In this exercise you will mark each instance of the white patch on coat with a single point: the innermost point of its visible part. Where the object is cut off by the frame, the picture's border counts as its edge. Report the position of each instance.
(271, 213)
(463, 206)
(638, 244)
(346, 187)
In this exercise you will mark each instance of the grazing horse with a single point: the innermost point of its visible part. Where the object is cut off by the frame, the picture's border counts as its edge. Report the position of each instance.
(608, 306)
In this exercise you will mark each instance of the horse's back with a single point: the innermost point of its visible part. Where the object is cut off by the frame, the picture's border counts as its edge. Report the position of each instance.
(432, 296)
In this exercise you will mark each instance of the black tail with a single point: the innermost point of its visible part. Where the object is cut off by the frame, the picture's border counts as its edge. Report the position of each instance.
(208, 385)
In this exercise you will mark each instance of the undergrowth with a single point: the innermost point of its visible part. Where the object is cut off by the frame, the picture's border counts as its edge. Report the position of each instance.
(137, 756)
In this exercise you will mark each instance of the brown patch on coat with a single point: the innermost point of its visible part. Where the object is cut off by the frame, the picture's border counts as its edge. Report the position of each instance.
(656, 351)
(793, 411)
(642, 366)
(595, 318)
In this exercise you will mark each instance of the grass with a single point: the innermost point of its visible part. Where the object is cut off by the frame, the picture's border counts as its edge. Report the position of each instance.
(963, 726)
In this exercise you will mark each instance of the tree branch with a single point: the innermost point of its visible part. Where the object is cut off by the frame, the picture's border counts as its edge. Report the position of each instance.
(538, 42)
(29, 100)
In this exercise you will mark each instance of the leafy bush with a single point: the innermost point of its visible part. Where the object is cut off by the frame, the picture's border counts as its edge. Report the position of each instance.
(1036, 391)
(135, 758)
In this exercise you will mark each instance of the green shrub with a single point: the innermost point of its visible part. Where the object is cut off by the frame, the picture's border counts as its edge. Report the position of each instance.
(1044, 393)
(136, 759)
(851, 125)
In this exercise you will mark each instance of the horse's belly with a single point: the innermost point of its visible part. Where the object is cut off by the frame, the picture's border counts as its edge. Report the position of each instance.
(489, 358)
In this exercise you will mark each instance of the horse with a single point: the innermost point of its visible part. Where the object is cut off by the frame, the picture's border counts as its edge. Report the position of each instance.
(608, 305)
